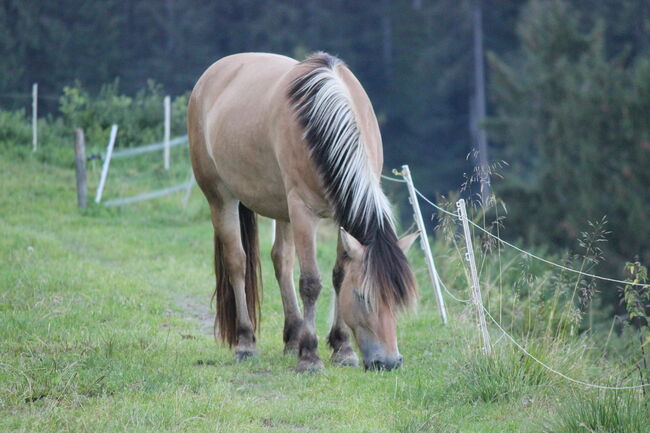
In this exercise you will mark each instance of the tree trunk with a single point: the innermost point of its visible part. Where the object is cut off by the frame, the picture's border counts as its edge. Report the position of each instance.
(478, 130)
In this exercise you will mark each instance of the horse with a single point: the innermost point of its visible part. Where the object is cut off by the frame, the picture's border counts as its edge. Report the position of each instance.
(298, 142)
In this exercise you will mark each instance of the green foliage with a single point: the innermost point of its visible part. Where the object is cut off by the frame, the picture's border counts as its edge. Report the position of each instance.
(14, 129)
(602, 412)
(140, 119)
(637, 298)
(573, 123)
(506, 374)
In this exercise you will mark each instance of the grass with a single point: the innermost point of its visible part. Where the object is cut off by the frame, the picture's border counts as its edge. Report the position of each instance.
(603, 412)
(105, 327)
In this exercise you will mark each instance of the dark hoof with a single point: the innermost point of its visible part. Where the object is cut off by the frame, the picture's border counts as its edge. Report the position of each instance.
(310, 365)
(345, 358)
(243, 355)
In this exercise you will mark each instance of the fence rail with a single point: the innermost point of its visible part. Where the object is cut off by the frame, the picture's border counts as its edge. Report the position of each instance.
(150, 195)
(125, 153)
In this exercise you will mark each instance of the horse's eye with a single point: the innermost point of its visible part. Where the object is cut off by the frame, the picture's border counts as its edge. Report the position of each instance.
(360, 296)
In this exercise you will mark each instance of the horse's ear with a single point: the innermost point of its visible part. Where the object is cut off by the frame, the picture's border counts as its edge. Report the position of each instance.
(406, 242)
(351, 246)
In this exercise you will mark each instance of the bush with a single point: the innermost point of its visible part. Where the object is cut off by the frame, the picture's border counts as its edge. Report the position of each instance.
(140, 119)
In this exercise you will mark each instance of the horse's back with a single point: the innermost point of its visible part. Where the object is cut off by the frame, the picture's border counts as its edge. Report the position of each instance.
(230, 123)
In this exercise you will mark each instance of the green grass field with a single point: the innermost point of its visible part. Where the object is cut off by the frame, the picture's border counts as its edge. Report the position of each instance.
(105, 326)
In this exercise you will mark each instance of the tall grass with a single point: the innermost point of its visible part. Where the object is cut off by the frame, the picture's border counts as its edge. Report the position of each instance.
(503, 376)
(602, 412)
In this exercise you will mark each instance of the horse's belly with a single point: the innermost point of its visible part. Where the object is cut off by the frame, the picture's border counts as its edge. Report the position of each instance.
(252, 175)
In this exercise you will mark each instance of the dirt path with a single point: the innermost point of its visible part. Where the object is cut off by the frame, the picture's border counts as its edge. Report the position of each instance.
(197, 310)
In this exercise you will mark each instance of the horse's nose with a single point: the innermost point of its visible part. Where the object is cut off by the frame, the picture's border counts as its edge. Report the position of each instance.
(387, 364)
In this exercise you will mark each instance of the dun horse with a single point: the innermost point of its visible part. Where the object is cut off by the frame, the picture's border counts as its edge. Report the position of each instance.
(298, 142)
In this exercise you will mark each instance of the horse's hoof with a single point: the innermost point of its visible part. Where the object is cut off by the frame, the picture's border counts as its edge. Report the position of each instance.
(309, 366)
(243, 355)
(345, 358)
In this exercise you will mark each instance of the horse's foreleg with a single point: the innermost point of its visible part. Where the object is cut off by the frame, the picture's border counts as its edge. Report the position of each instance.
(304, 223)
(339, 336)
(226, 224)
(283, 258)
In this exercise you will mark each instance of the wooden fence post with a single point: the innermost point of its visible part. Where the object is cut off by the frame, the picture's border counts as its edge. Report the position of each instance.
(80, 164)
(107, 162)
(34, 117)
(476, 288)
(167, 132)
(424, 242)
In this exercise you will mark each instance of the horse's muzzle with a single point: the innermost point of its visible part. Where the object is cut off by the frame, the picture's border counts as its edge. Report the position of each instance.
(384, 364)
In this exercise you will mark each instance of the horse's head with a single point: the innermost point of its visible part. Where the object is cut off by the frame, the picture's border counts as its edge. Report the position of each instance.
(376, 281)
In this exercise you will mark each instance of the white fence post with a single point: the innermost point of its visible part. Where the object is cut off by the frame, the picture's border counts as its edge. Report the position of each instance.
(272, 232)
(188, 191)
(34, 117)
(168, 115)
(424, 242)
(476, 288)
(107, 161)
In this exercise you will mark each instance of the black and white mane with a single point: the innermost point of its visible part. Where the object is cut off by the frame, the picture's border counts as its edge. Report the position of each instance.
(321, 101)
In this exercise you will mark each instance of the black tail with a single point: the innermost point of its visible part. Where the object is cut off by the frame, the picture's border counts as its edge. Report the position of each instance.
(226, 321)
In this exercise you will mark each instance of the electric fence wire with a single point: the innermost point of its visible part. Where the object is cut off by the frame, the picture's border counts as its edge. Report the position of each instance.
(534, 256)
(551, 369)
(498, 325)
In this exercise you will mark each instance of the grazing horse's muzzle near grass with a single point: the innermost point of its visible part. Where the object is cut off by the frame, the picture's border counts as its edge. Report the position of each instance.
(298, 142)
(384, 364)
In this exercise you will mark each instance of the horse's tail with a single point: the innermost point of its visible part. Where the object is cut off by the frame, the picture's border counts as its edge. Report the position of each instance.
(225, 324)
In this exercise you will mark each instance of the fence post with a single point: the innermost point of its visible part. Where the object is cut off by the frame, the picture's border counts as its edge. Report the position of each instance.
(188, 190)
(80, 164)
(34, 117)
(424, 242)
(476, 288)
(167, 133)
(107, 161)
(272, 231)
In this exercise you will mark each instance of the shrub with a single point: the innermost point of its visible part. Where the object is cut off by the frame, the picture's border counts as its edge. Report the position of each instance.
(140, 120)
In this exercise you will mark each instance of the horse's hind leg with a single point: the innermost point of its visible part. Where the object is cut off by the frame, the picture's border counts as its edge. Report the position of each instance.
(236, 326)
(339, 336)
(283, 258)
(303, 224)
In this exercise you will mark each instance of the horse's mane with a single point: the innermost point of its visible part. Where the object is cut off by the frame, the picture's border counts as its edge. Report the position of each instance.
(321, 101)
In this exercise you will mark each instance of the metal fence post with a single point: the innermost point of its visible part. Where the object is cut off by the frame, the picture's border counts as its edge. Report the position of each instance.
(107, 162)
(476, 288)
(424, 242)
(167, 133)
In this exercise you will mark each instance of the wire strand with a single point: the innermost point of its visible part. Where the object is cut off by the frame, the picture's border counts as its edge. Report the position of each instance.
(393, 179)
(464, 301)
(503, 331)
(454, 214)
(551, 369)
(586, 274)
